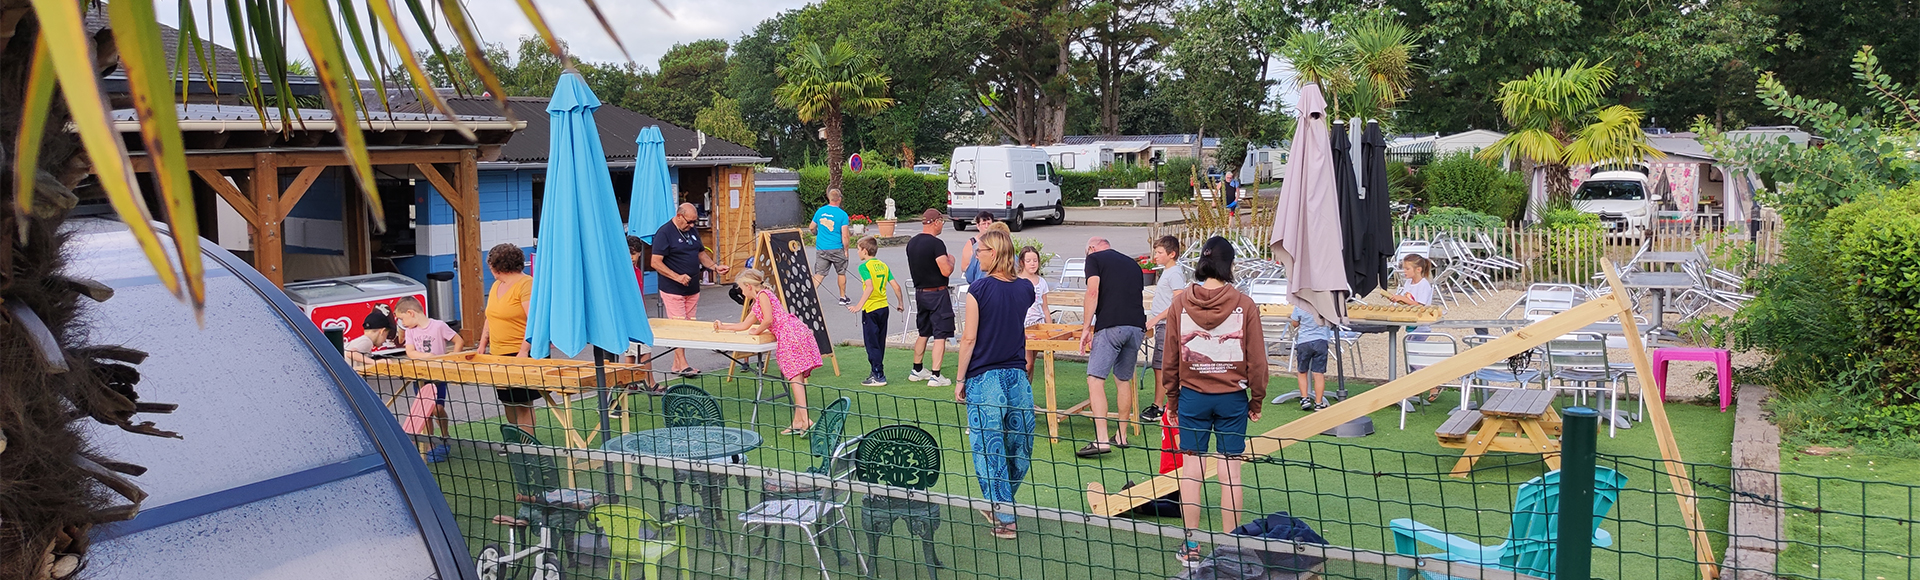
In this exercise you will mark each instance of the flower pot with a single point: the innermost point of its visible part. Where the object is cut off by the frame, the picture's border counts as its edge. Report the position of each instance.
(1150, 277)
(886, 228)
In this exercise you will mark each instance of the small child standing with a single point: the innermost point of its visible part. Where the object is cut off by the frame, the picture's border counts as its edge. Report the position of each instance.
(425, 337)
(1310, 358)
(875, 280)
(375, 331)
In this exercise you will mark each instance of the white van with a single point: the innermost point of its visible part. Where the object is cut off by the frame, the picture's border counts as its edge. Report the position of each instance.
(1621, 199)
(1013, 184)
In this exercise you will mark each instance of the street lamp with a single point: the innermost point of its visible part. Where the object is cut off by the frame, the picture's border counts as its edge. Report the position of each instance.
(1160, 187)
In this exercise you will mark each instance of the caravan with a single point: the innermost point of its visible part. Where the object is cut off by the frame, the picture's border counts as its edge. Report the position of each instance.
(1013, 184)
(1088, 157)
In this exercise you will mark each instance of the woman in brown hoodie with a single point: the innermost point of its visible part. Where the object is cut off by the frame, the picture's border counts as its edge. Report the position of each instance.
(1214, 380)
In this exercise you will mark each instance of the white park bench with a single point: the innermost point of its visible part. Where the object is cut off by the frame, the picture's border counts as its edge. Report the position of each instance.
(1136, 195)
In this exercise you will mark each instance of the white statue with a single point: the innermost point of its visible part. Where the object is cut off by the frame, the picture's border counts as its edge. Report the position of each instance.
(890, 210)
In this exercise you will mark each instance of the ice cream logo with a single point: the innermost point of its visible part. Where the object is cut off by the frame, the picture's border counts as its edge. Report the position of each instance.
(343, 323)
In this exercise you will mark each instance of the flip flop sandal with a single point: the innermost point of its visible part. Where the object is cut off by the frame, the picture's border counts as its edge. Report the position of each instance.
(1093, 449)
(1004, 532)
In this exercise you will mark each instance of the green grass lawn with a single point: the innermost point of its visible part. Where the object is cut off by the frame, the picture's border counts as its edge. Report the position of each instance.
(1348, 489)
(1867, 514)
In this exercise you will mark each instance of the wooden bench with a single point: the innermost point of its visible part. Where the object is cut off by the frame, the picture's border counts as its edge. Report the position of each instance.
(1460, 423)
(1510, 421)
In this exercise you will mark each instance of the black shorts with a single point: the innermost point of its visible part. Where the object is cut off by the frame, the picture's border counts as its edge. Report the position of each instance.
(517, 396)
(935, 315)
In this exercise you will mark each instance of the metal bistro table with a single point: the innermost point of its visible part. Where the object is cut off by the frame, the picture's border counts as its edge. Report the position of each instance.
(1660, 283)
(689, 443)
(1482, 326)
(1668, 259)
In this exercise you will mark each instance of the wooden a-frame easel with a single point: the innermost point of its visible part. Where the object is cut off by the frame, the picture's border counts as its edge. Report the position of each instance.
(763, 259)
(1390, 394)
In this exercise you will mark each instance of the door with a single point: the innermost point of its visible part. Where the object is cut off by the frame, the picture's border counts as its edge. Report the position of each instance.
(733, 228)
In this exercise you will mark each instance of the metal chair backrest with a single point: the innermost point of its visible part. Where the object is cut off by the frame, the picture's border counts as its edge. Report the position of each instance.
(1267, 290)
(1535, 533)
(691, 406)
(1425, 349)
(1504, 366)
(898, 455)
(1544, 300)
(828, 431)
(625, 525)
(1411, 247)
(1581, 351)
(533, 474)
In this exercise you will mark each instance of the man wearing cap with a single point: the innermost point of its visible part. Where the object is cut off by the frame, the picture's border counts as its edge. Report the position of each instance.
(930, 266)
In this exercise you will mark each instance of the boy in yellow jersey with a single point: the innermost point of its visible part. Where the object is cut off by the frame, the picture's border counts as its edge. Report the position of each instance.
(875, 280)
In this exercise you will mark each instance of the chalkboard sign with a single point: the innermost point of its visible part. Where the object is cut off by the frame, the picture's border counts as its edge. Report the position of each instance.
(787, 266)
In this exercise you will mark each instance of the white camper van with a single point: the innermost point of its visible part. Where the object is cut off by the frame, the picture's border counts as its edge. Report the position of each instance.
(1622, 199)
(1013, 184)
(1088, 157)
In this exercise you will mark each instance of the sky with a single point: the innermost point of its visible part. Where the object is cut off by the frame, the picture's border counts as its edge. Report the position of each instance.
(646, 31)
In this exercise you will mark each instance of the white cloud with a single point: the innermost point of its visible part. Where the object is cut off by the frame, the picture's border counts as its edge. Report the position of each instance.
(646, 31)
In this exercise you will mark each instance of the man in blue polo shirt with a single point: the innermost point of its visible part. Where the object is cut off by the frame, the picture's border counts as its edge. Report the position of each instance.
(830, 238)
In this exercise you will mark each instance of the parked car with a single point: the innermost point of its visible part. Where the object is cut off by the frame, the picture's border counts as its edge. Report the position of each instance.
(1013, 184)
(927, 168)
(1621, 199)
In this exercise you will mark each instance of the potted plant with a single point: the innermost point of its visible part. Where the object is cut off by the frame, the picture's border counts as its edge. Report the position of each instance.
(858, 223)
(1149, 271)
(886, 222)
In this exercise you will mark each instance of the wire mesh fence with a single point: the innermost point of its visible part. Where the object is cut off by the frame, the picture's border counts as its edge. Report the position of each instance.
(694, 476)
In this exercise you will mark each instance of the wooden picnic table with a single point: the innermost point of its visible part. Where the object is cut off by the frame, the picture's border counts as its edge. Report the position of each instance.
(1510, 421)
(1048, 339)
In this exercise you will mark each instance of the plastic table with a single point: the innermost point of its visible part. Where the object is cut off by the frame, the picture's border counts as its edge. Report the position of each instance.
(1718, 356)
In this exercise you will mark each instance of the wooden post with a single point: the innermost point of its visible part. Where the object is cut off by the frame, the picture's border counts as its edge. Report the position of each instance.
(467, 179)
(264, 187)
(353, 219)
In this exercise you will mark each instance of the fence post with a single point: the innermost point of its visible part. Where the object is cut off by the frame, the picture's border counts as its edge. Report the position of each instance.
(1574, 554)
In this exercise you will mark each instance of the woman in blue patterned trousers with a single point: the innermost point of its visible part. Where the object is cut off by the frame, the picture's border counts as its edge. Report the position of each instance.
(993, 377)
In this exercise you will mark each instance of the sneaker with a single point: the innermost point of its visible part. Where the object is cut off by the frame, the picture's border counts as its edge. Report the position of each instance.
(939, 381)
(844, 301)
(875, 381)
(1320, 405)
(1189, 555)
(920, 375)
(438, 454)
(1306, 404)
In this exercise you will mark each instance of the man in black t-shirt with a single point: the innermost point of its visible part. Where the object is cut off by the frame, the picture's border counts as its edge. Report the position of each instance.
(678, 256)
(930, 266)
(1115, 326)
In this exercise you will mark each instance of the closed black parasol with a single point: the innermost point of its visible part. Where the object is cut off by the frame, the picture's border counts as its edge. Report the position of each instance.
(1372, 223)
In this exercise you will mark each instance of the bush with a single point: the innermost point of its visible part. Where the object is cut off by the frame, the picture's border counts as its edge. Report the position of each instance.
(866, 192)
(1455, 219)
(1079, 187)
(1574, 244)
(1459, 179)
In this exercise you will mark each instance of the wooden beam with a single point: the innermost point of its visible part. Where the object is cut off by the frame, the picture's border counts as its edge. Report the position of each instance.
(443, 185)
(468, 257)
(353, 219)
(1381, 397)
(1663, 434)
(329, 157)
(291, 196)
(267, 246)
(230, 192)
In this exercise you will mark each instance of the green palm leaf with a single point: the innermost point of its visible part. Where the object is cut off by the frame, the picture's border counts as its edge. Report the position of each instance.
(33, 124)
(330, 65)
(137, 31)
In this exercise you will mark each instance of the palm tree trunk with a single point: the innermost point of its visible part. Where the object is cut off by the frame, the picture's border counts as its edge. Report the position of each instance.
(1559, 184)
(836, 151)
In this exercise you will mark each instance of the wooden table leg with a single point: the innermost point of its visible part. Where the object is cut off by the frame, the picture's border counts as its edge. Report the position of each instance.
(1053, 406)
(1477, 445)
(1547, 448)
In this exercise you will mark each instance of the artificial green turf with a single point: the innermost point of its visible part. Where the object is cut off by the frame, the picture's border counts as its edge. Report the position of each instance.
(1865, 525)
(1347, 489)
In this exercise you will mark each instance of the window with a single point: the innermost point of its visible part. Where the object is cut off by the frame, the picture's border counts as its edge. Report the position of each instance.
(1039, 172)
(1065, 160)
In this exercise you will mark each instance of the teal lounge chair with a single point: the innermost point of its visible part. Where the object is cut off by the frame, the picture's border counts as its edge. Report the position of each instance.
(1530, 545)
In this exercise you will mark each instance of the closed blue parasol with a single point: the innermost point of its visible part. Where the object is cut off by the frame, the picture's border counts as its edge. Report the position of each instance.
(584, 292)
(653, 201)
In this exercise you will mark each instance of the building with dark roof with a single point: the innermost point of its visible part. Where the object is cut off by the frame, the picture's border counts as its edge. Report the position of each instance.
(1137, 149)
(228, 78)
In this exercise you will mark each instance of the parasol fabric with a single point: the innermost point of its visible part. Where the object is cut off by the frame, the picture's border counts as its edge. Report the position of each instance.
(1351, 202)
(1306, 237)
(653, 202)
(585, 292)
(1372, 225)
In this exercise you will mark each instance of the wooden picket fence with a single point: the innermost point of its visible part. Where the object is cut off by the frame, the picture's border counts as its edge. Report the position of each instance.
(1546, 255)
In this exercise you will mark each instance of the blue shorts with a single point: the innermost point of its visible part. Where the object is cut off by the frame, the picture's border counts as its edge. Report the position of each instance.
(440, 400)
(1310, 357)
(1220, 416)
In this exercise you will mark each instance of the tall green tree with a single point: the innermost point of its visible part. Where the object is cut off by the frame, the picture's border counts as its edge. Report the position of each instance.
(1825, 36)
(1023, 77)
(1218, 82)
(1121, 44)
(927, 48)
(1364, 64)
(684, 84)
(722, 119)
(530, 70)
(1560, 119)
(826, 84)
(752, 80)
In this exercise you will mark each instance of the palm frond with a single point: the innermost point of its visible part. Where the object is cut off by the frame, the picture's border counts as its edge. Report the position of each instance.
(33, 125)
(1614, 136)
(1535, 145)
(137, 32)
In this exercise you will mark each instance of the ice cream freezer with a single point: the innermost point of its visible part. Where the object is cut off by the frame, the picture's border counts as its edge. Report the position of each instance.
(343, 302)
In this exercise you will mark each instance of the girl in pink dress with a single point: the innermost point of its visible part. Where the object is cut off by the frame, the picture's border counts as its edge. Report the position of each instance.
(794, 345)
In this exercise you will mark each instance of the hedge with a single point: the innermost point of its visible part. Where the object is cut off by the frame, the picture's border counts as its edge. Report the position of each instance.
(865, 192)
(1462, 180)
(1079, 187)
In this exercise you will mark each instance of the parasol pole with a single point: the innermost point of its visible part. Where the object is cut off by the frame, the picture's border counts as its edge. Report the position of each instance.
(600, 385)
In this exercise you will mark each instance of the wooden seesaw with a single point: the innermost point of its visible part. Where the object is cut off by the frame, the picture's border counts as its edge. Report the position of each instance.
(1113, 504)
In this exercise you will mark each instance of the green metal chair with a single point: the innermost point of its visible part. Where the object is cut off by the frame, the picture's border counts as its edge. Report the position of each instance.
(1531, 541)
(816, 517)
(686, 405)
(900, 456)
(550, 510)
(636, 538)
(823, 439)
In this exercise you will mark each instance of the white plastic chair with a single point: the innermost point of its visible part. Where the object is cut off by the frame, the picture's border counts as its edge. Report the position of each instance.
(1580, 359)
(1073, 269)
(1425, 349)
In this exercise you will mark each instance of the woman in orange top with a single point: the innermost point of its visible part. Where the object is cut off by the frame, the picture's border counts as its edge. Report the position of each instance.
(505, 331)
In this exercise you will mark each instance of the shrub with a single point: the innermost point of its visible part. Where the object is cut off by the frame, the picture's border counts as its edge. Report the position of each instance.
(1574, 243)
(1455, 219)
(866, 192)
(1459, 179)
(1079, 187)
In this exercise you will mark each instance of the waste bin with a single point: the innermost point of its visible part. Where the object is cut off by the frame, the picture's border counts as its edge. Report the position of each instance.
(343, 302)
(440, 288)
